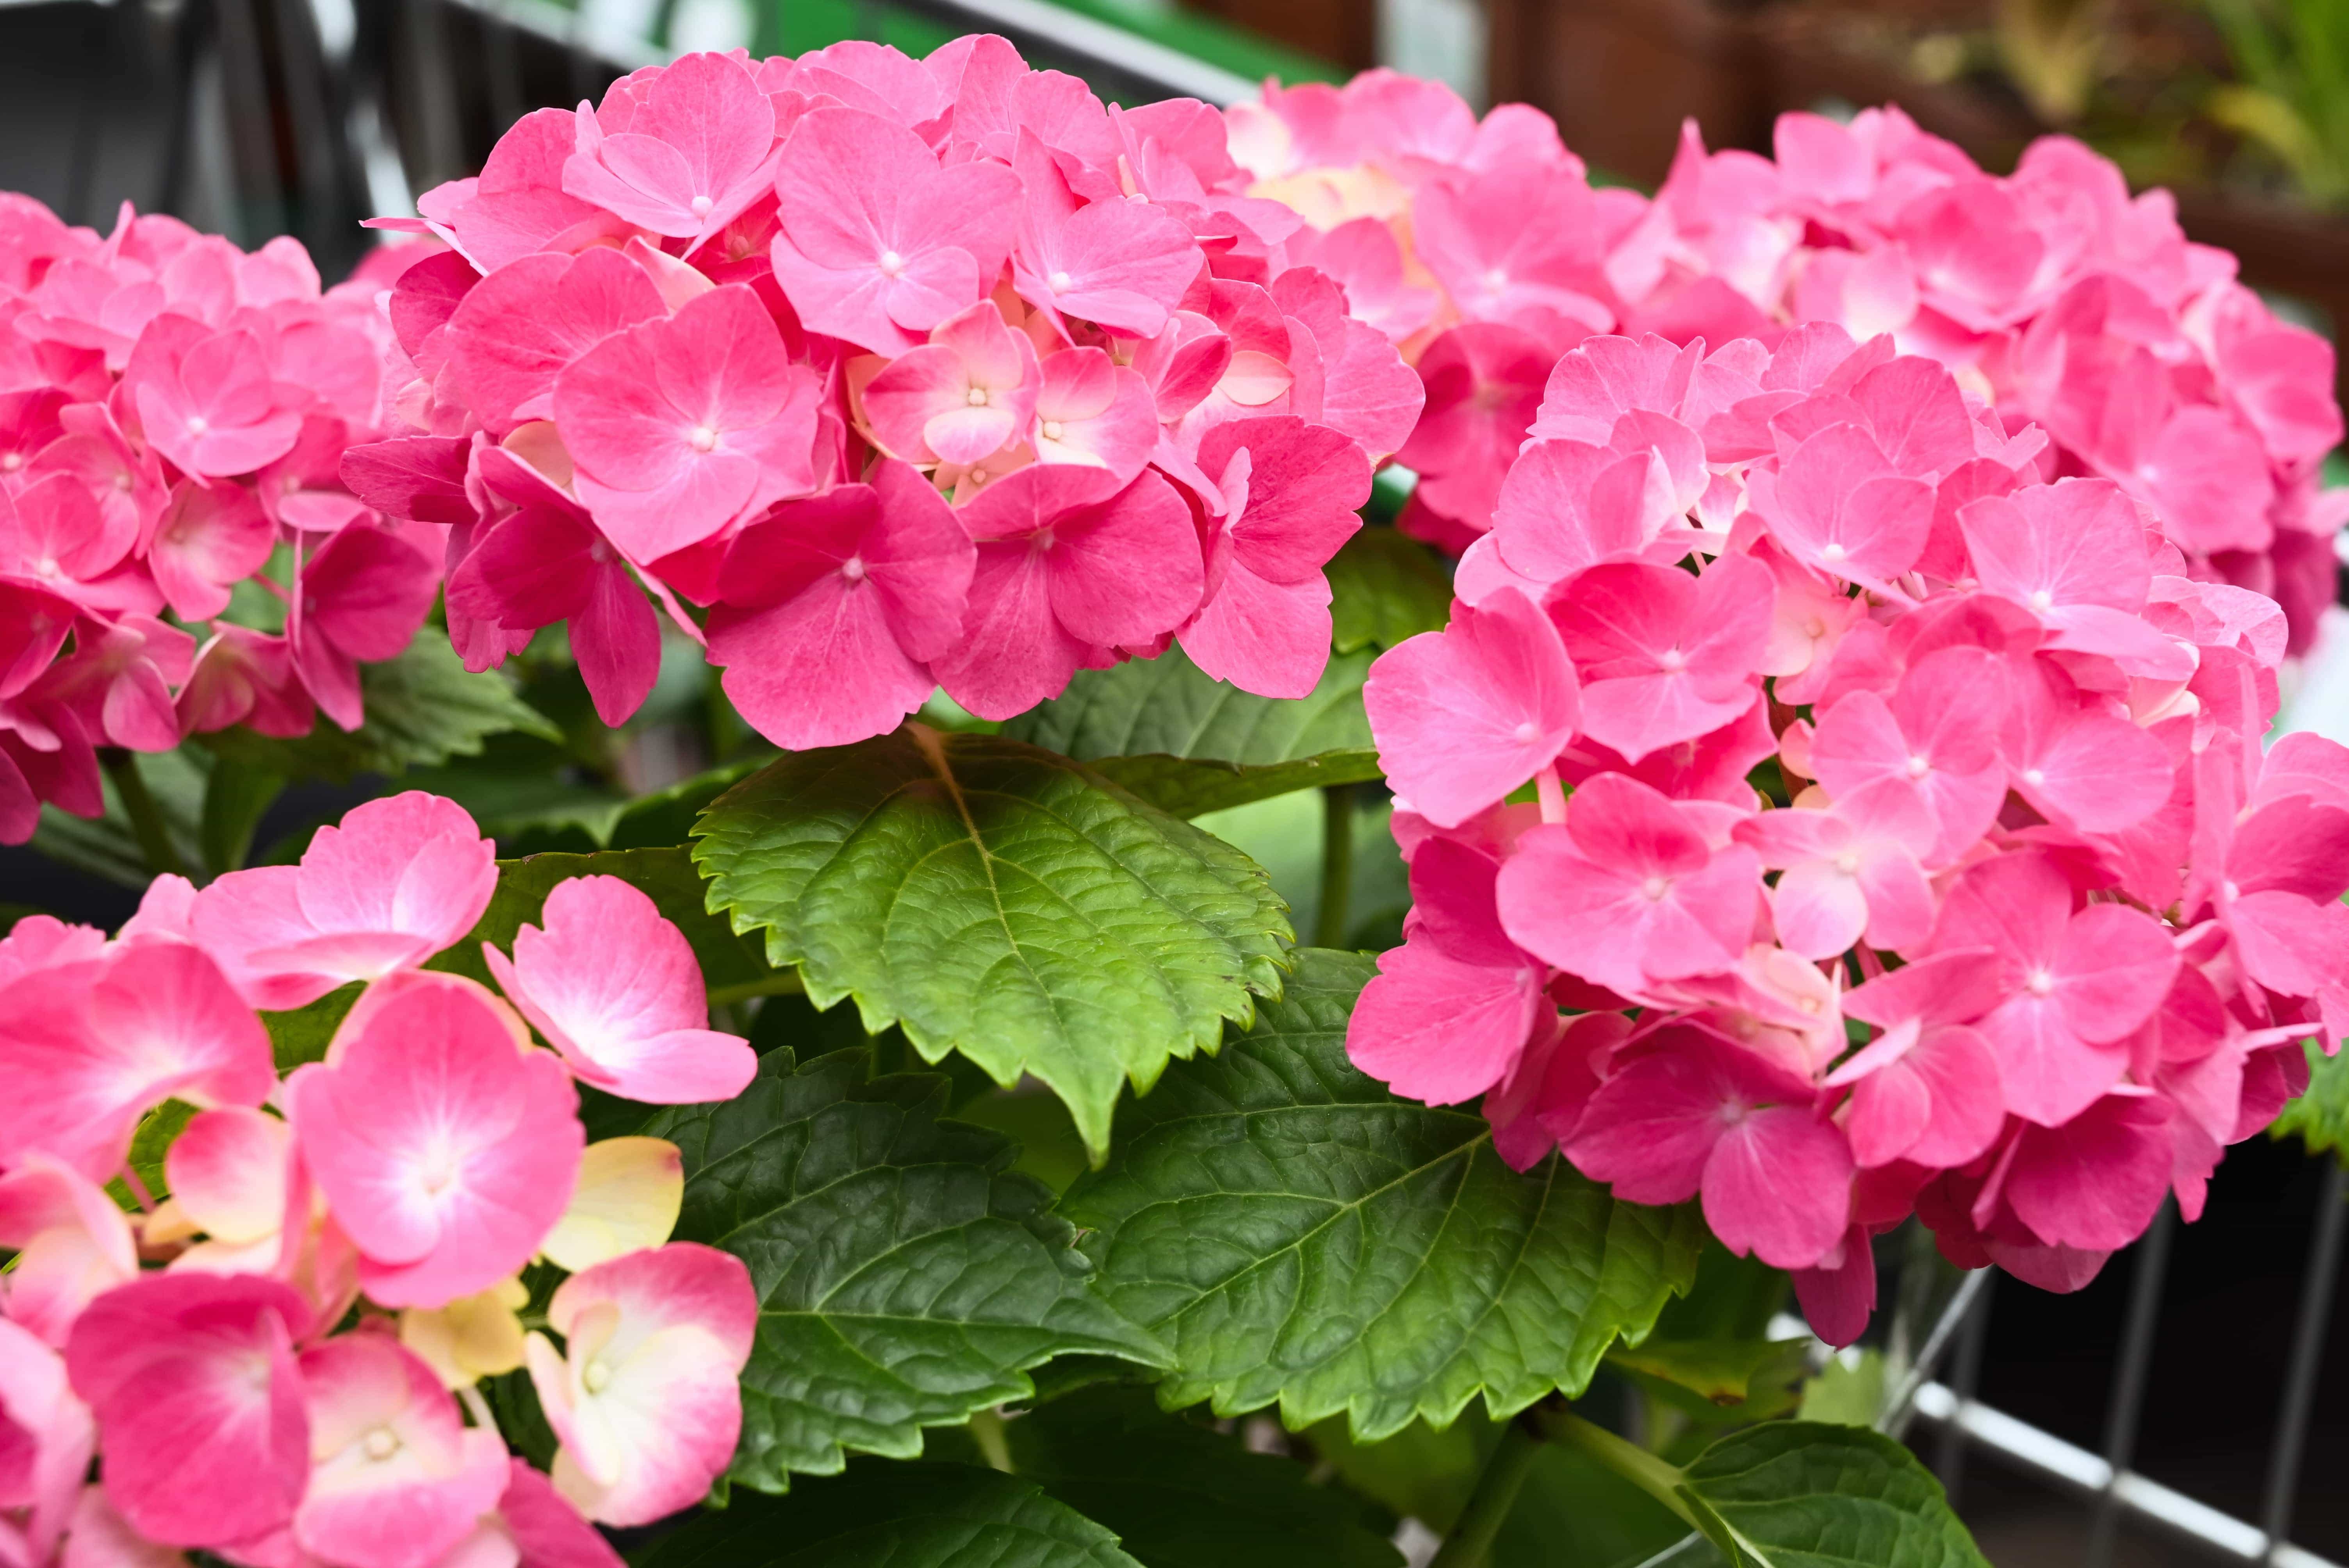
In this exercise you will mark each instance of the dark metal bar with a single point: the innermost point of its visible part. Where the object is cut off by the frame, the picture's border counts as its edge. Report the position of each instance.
(2307, 1356)
(2127, 1407)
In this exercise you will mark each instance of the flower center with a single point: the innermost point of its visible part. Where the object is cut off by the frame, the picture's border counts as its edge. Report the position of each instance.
(600, 551)
(596, 1378)
(892, 264)
(976, 476)
(1919, 765)
(1672, 661)
(1654, 889)
(701, 205)
(976, 397)
(852, 569)
(438, 1172)
(1058, 281)
(2042, 599)
(703, 438)
(13, 462)
(380, 1444)
(1848, 863)
(1495, 280)
(2039, 983)
(122, 481)
(1526, 733)
(48, 566)
(2034, 776)
(1833, 552)
(1051, 429)
(198, 424)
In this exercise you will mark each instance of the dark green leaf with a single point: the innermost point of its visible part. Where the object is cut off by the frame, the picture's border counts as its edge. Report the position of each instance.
(666, 816)
(1189, 743)
(893, 1516)
(106, 846)
(422, 708)
(1301, 1236)
(236, 796)
(1000, 901)
(906, 1277)
(1181, 1496)
(1384, 587)
(301, 1035)
(1802, 1494)
(666, 875)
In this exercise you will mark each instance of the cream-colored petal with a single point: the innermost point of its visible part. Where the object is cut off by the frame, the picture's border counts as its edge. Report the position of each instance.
(630, 1190)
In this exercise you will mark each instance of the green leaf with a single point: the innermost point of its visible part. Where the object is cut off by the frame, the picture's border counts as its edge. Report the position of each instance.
(907, 1278)
(1182, 1496)
(1385, 586)
(1802, 1494)
(2320, 1114)
(301, 1035)
(666, 816)
(893, 1516)
(1000, 901)
(1849, 1390)
(106, 846)
(236, 796)
(422, 708)
(1722, 1372)
(1189, 743)
(1300, 1236)
(667, 876)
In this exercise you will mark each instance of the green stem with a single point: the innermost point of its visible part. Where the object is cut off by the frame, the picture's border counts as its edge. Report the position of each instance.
(146, 817)
(987, 1431)
(1497, 1491)
(781, 982)
(1628, 1459)
(1337, 865)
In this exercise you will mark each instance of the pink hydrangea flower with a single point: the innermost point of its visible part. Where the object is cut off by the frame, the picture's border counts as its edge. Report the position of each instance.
(399, 880)
(614, 987)
(645, 1396)
(396, 1479)
(199, 1402)
(445, 1146)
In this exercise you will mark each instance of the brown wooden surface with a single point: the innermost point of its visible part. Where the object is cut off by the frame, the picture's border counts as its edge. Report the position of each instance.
(1342, 31)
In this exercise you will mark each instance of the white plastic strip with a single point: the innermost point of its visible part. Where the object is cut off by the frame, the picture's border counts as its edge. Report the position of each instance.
(2076, 1467)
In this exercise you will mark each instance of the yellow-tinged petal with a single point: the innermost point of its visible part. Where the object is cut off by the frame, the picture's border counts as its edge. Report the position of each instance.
(472, 1338)
(629, 1192)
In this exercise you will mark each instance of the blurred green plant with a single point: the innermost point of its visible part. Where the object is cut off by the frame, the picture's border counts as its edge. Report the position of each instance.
(2290, 96)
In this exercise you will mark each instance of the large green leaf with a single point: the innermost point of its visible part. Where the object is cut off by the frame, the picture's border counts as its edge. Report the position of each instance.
(906, 1277)
(893, 1516)
(422, 708)
(1804, 1494)
(666, 876)
(1000, 901)
(1189, 743)
(1301, 1236)
(1181, 1496)
(1385, 586)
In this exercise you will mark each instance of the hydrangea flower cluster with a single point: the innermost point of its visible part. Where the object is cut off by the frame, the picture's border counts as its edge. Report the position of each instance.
(2024, 851)
(172, 412)
(910, 373)
(2051, 293)
(235, 1400)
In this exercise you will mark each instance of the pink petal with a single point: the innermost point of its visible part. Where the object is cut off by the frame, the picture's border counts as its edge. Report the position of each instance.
(1465, 716)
